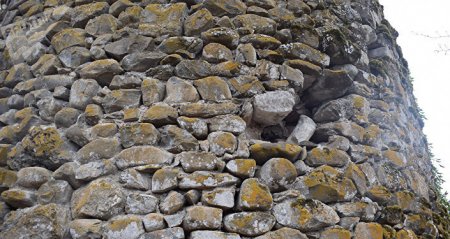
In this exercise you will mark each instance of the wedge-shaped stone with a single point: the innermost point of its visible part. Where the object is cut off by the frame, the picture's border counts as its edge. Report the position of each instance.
(207, 180)
(101, 70)
(304, 52)
(142, 155)
(225, 7)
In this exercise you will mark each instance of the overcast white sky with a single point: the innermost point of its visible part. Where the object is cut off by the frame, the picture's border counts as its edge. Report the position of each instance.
(429, 69)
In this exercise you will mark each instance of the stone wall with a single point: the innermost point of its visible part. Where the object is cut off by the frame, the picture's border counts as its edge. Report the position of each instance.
(209, 119)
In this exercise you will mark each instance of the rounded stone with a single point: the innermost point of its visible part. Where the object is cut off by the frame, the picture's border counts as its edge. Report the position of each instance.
(278, 173)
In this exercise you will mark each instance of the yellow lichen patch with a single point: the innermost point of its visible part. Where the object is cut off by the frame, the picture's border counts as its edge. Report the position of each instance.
(379, 194)
(359, 102)
(389, 232)
(262, 152)
(7, 178)
(394, 158)
(43, 141)
(255, 195)
(406, 234)
(245, 166)
(336, 233)
(303, 214)
(122, 223)
(405, 199)
(13, 195)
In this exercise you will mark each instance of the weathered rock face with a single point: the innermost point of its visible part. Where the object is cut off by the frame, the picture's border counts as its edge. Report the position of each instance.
(209, 119)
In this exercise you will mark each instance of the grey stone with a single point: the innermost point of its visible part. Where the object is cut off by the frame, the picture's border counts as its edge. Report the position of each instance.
(132, 44)
(165, 179)
(222, 142)
(176, 140)
(303, 131)
(85, 228)
(140, 203)
(153, 91)
(197, 161)
(229, 123)
(66, 117)
(272, 107)
(82, 92)
(102, 148)
(33, 177)
(196, 126)
(169, 233)
(118, 100)
(172, 203)
(153, 222)
(180, 91)
(53, 216)
(85, 201)
(93, 170)
(206, 180)
(132, 179)
(222, 197)
(138, 156)
(213, 234)
(141, 61)
(331, 85)
(74, 56)
(54, 191)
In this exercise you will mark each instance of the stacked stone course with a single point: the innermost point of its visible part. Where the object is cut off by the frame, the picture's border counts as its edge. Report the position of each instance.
(209, 119)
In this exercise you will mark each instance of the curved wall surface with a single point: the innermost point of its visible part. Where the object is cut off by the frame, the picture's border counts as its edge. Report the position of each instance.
(213, 119)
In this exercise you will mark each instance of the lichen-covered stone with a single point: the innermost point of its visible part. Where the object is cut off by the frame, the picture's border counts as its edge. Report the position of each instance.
(162, 19)
(222, 142)
(136, 134)
(169, 233)
(102, 71)
(85, 200)
(284, 232)
(277, 173)
(305, 215)
(129, 226)
(121, 99)
(262, 152)
(160, 114)
(249, 223)
(369, 230)
(254, 196)
(165, 179)
(221, 7)
(328, 185)
(243, 168)
(206, 180)
(222, 197)
(138, 155)
(196, 126)
(192, 161)
(82, 92)
(324, 156)
(213, 89)
(179, 90)
(202, 218)
(176, 140)
(69, 37)
(213, 234)
(102, 148)
(52, 219)
(198, 22)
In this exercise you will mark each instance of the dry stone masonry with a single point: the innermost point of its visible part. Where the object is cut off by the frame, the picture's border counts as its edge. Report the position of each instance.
(209, 119)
